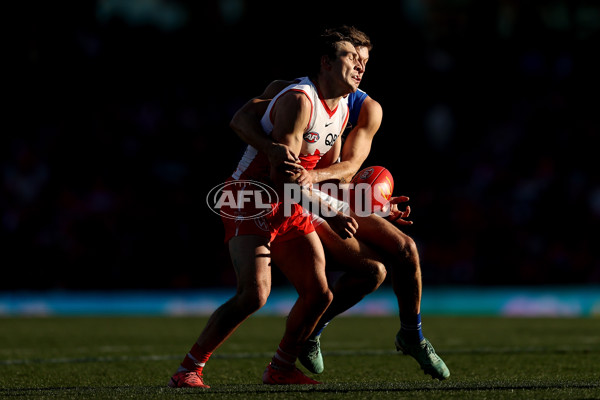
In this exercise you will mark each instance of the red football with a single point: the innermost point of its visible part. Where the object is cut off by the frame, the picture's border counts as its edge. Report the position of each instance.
(381, 188)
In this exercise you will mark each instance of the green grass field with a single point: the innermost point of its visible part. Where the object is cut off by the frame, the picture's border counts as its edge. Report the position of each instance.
(133, 358)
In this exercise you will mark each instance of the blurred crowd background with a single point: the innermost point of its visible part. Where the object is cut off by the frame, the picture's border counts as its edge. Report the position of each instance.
(491, 126)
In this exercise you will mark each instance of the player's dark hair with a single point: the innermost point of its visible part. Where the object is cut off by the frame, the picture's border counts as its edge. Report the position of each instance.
(355, 36)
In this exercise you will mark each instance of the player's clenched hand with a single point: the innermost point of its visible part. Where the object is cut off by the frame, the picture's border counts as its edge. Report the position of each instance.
(280, 156)
(344, 225)
(303, 177)
(396, 215)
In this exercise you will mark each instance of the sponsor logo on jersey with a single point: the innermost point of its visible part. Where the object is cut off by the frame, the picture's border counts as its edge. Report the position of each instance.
(311, 137)
(330, 139)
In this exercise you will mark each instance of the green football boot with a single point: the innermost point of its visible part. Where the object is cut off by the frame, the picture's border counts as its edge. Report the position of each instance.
(310, 356)
(425, 355)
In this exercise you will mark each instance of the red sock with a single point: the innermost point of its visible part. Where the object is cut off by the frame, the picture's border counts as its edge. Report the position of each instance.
(286, 356)
(195, 359)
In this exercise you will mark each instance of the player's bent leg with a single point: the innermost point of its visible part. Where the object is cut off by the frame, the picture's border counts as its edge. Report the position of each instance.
(306, 271)
(363, 271)
(363, 274)
(251, 261)
(406, 282)
(363, 268)
(401, 251)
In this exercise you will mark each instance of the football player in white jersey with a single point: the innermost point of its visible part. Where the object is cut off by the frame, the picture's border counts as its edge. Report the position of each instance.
(377, 247)
(289, 241)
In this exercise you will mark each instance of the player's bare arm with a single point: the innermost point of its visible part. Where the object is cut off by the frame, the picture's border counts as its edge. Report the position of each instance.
(291, 116)
(246, 124)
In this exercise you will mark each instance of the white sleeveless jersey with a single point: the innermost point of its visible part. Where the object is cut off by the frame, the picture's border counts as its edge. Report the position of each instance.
(324, 128)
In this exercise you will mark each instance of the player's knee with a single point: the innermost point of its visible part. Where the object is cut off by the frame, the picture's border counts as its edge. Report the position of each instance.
(407, 248)
(375, 276)
(320, 299)
(379, 273)
(253, 303)
(254, 299)
(326, 298)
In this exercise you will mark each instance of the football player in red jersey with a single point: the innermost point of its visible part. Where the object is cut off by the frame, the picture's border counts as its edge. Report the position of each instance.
(289, 241)
(378, 247)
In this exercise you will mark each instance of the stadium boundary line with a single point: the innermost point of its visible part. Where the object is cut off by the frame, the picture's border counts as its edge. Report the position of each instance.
(338, 353)
(547, 301)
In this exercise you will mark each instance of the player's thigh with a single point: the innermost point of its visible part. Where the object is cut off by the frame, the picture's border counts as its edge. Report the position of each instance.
(382, 234)
(302, 261)
(251, 259)
(351, 254)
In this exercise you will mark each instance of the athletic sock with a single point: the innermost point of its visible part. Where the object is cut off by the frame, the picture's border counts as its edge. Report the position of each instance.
(318, 330)
(410, 326)
(285, 357)
(194, 360)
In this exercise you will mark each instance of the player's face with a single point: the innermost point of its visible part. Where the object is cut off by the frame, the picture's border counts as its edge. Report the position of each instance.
(348, 66)
(363, 57)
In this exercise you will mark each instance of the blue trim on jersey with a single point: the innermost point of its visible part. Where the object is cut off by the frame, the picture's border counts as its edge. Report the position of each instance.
(355, 101)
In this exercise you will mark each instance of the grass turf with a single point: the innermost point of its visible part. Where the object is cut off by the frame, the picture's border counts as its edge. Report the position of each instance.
(133, 358)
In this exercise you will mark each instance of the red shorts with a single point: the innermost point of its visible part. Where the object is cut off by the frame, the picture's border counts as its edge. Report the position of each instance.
(272, 220)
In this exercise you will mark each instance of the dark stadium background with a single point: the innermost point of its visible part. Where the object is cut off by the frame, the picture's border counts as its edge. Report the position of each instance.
(120, 128)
